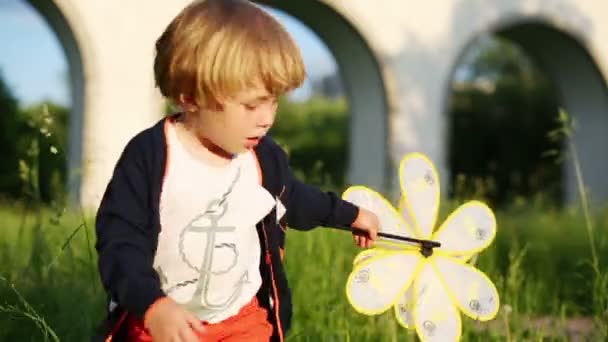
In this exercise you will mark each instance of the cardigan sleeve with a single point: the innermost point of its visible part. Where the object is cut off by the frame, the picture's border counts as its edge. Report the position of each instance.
(126, 236)
(308, 206)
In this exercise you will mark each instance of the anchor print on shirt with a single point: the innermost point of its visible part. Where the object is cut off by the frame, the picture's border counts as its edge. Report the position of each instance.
(209, 224)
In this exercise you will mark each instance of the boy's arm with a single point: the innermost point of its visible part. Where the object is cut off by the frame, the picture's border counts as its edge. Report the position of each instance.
(125, 236)
(309, 207)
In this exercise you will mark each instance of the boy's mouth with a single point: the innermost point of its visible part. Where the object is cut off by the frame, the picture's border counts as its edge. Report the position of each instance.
(252, 141)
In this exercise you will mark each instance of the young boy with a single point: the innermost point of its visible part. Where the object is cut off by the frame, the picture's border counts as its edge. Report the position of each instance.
(191, 228)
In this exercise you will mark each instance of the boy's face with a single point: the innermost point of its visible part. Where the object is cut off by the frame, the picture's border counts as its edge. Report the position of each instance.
(242, 121)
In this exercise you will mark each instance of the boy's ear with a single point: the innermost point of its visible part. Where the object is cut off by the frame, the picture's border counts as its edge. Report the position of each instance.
(187, 103)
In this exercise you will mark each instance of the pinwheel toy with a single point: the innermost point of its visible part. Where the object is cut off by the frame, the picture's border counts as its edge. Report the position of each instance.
(422, 274)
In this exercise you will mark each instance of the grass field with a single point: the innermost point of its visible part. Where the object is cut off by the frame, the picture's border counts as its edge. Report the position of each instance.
(541, 262)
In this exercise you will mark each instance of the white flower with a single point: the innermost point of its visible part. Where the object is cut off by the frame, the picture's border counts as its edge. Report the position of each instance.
(426, 293)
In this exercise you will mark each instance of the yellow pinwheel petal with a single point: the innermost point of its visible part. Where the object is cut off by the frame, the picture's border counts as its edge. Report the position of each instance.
(366, 254)
(375, 284)
(390, 220)
(470, 289)
(420, 189)
(404, 309)
(462, 258)
(369, 253)
(435, 316)
(468, 230)
(405, 213)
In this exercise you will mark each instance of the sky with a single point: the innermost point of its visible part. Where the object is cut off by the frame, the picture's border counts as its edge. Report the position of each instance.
(33, 64)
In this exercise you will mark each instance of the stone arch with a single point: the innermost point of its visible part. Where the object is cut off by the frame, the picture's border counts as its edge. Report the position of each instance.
(363, 81)
(581, 88)
(66, 34)
(582, 91)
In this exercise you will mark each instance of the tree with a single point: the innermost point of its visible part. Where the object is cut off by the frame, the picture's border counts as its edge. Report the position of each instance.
(44, 143)
(33, 142)
(9, 128)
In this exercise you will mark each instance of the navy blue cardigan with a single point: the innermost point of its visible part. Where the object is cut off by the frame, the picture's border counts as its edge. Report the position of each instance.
(128, 224)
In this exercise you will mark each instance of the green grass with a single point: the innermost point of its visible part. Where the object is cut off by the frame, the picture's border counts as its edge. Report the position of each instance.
(540, 262)
(52, 272)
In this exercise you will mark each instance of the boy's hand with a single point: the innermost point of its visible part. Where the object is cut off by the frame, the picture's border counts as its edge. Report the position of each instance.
(167, 321)
(366, 227)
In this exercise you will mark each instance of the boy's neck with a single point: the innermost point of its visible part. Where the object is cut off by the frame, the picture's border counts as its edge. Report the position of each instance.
(199, 146)
(216, 150)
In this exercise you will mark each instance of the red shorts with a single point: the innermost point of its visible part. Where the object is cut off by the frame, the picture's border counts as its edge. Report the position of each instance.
(249, 324)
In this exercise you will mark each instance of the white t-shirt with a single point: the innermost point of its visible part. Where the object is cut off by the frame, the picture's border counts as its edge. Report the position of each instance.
(208, 252)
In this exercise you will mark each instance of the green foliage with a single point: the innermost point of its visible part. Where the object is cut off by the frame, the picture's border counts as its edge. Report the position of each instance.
(500, 118)
(44, 141)
(315, 135)
(33, 144)
(498, 144)
(9, 131)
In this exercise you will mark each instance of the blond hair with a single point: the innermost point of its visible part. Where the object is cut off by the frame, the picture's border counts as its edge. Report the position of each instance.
(216, 48)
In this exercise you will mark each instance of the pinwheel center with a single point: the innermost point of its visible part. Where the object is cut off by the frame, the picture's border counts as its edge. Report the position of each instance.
(427, 248)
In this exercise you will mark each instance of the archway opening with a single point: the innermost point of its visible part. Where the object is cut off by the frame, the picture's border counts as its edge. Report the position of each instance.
(582, 91)
(507, 90)
(360, 82)
(43, 69)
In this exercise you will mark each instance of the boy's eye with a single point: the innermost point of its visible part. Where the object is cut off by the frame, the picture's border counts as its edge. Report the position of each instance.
(253, 106)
